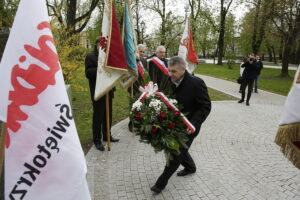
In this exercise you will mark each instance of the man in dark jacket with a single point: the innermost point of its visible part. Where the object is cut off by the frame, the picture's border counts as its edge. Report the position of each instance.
(158, 68)
(249, 74)
(191, 92)
(260, 66)
(99, 107)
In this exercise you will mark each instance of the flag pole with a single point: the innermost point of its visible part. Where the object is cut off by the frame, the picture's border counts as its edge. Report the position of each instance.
(107, 121)
(131, 90)
(2, 144)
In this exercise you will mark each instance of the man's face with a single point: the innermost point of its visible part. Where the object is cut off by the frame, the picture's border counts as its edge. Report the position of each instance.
(176, 73)
(257, 57)
(161, 53)
(141, 52)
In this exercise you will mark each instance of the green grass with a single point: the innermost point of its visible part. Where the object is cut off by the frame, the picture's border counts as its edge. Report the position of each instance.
(82, 109)
(269, 78)
(219, 96)
(272, 64)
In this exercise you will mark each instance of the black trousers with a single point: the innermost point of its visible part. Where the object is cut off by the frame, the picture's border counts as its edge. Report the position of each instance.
(245, 83)
(184, 159)
(99, 119)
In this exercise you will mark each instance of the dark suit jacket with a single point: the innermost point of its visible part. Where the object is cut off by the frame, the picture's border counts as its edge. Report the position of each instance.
(193, 95)
(251, 70)
(156, 75)
(91, 64)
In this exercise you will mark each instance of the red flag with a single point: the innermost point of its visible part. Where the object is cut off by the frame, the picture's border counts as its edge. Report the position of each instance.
(116, 55)
(186, 47)
(112, 64)
(192, 55)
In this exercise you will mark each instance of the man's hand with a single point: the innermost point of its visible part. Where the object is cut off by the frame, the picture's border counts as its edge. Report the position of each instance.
(189, 131)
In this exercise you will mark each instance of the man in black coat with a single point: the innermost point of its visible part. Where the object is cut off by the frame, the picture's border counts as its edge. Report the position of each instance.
(99, 107)
(260, 66)
(158, 68)
(190, 92)
(249, 74)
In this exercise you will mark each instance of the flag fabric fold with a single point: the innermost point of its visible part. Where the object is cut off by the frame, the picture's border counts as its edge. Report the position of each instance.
(112, 64)
(288, 134)
(186, 47)
(129, 47)
(43, 155)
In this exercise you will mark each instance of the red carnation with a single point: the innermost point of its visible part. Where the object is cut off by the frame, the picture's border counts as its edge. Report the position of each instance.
(154, 129)
(162, 115)
(177, 113)
(172, 125)
(138, 116)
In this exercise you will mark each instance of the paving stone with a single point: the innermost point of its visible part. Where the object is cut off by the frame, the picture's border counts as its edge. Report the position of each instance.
(235, 154)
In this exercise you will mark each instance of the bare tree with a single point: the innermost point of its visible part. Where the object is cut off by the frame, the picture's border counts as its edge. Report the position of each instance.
(287, 21)
(67, 15)
(159, 7)
(223, 13)
(263, 10)
(195, 7)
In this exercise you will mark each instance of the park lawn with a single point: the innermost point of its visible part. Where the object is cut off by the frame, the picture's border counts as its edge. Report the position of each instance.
(269, 78)
(82, 108)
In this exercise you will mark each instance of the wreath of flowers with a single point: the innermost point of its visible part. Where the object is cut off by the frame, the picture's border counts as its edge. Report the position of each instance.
(159, 125)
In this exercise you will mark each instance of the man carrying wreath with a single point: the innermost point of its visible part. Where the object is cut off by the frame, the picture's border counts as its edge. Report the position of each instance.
(191, 92)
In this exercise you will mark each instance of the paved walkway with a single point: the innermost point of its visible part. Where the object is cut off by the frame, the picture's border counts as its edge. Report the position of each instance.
(235, 154)
(291, 66)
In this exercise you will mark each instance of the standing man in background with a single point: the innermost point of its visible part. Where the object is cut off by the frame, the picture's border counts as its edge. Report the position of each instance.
(99, 106)
(260, 66)
(158, 68)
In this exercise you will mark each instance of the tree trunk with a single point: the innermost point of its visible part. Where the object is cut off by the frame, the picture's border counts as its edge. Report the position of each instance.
(281, 48)
(297, 54)
(270, 54)
(204, 54)
(274, 54)
(71, 15)
(221, 38)
(285, 57)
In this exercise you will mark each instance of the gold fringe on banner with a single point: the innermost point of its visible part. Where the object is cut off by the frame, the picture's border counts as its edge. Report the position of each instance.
(285, 138)
(298, 79)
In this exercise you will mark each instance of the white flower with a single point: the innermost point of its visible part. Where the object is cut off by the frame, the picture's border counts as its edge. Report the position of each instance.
(173, 101)
(156, 105)
(136, 106)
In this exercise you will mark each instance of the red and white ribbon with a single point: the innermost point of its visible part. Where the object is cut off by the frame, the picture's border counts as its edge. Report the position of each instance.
(151, 89)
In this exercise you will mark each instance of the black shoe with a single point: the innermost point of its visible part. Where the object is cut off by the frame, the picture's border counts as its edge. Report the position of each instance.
(100, 147)
(112, 139)
(241, 101)
(156, 189)
(184, 172)
(130, 127)
(247, 103)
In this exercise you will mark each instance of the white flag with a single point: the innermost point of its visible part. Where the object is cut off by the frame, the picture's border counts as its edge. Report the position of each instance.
(111, 61)
(288, 134)
(186, 48)
(43, 156)
(291, 112)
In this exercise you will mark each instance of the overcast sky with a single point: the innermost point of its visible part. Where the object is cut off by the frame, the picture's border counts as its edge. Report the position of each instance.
(177, 7)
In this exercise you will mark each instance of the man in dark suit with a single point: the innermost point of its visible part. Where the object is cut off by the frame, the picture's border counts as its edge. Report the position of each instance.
(260, 66)
(158, 68)
(99, 107)
(249, 74)
(191, 92)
